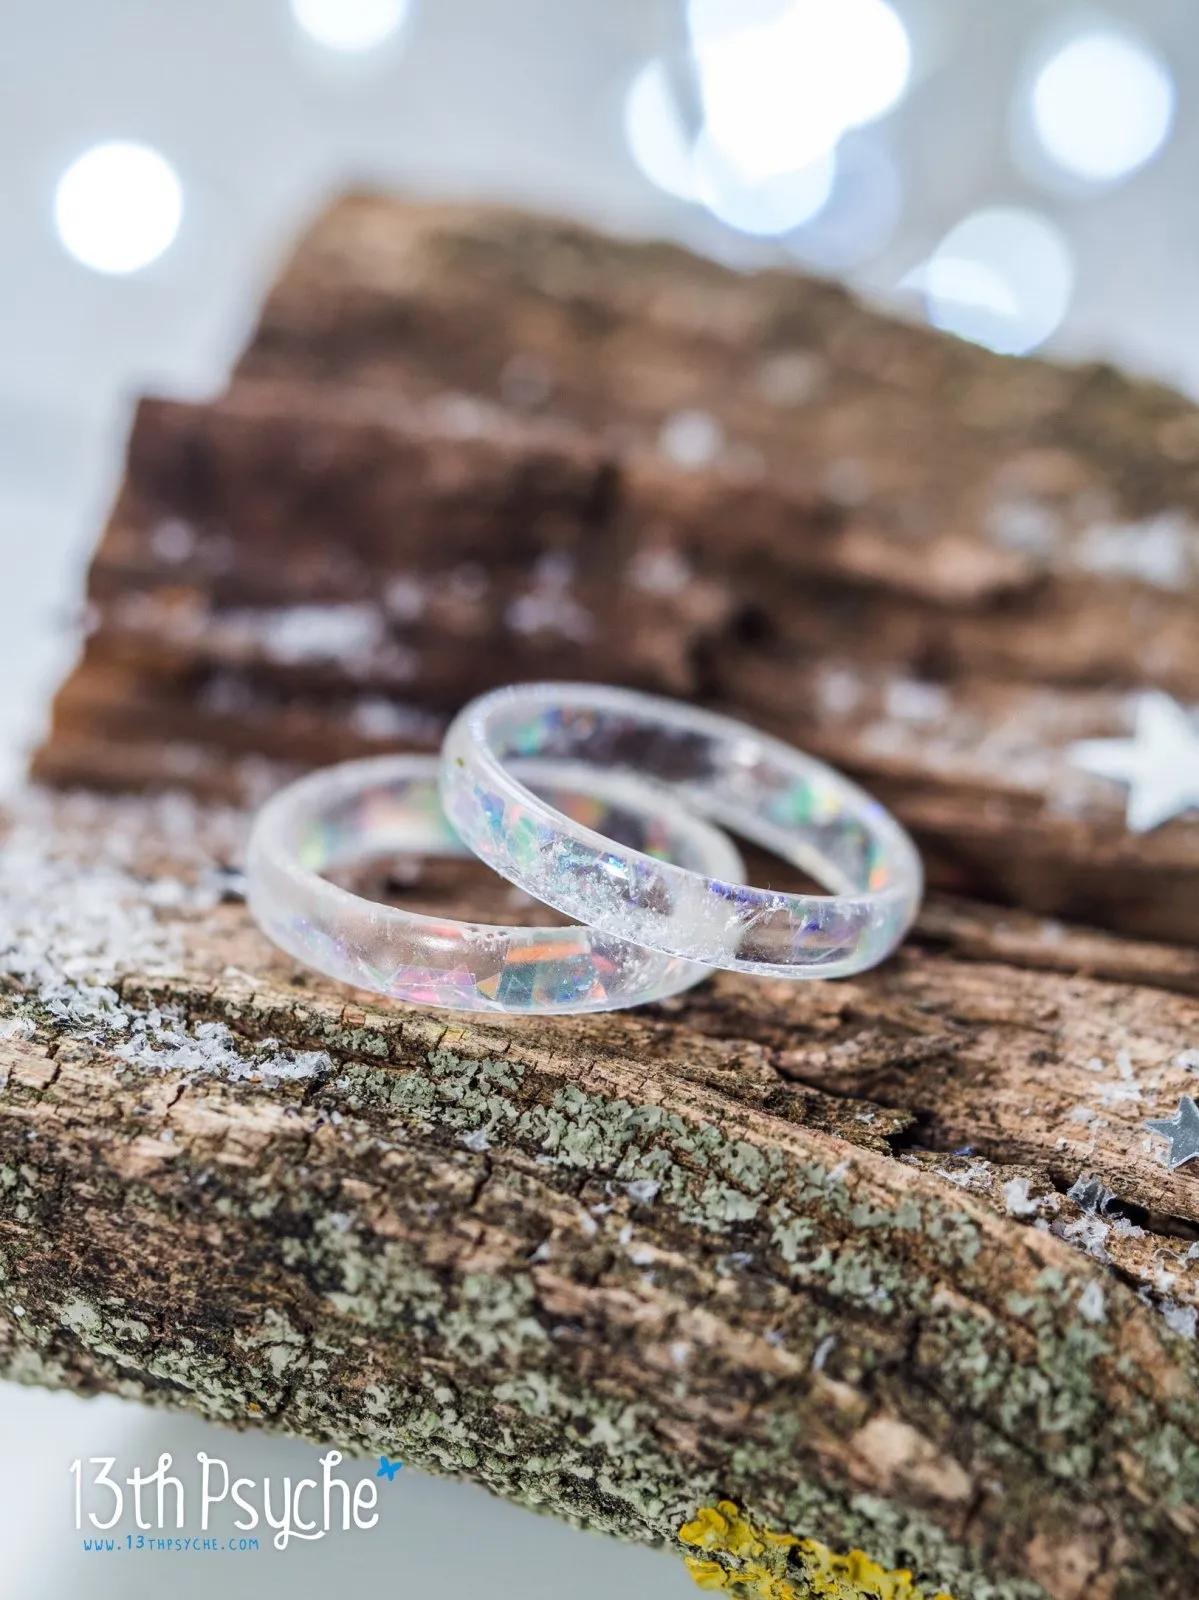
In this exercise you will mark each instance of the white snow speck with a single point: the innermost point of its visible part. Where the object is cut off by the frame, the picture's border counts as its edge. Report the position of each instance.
(1017, 1200)
(1092, 1303)
(1161, 550)
(691, 439)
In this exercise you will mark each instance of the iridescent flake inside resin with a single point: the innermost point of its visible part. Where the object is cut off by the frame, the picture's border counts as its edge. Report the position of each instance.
(348, 815)
(766, 791)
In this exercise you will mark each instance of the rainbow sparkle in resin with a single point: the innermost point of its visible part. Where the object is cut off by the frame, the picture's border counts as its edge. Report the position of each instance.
(389, 805)
(766, 791)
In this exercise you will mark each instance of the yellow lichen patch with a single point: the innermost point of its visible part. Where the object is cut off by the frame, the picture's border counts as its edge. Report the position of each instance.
(755, 1563)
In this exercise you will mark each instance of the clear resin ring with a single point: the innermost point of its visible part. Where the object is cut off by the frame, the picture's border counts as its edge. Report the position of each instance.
(388, 805)
(756, 786)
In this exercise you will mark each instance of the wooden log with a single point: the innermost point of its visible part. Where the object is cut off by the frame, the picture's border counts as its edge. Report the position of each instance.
(467, 446)
(623, 1268)
(951, 475)
(771, 1272)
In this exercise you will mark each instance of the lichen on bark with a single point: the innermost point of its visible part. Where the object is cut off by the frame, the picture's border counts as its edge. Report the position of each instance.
(890, 1265)
(618, 1269)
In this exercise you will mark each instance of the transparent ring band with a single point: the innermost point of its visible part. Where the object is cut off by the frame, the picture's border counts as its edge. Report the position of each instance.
(754, 785)
(347, 814)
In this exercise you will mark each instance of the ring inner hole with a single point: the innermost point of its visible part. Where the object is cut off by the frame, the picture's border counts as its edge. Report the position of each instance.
(391, 844)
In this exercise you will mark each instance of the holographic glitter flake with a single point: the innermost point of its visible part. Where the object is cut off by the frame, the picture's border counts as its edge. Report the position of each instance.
(349, 814)
(776, 796)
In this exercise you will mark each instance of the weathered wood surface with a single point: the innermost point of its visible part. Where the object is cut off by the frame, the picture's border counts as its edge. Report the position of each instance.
(892, 1263)
(623, 1267)
(466, 447)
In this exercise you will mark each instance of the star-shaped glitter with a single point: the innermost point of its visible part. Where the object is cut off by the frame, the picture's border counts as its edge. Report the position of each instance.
(1160, 763)
(1182, 1130)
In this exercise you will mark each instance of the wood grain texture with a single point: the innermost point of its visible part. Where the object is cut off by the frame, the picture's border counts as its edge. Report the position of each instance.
(892, 1263)
(619, 1267)
(469, 446)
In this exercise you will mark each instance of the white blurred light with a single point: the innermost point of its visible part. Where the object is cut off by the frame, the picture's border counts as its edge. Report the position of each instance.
(766, 207)
(656, 135)
(861, 213)
(118, 207)
(698, 169)
(1002, 278)
(1102, 106)
(781, 83)
(350, 25)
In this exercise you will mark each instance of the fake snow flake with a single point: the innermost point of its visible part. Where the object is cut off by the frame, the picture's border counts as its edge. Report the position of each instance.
(1159, 764)
(1092, 1303)
(1182, 1130)
(1017, 1200)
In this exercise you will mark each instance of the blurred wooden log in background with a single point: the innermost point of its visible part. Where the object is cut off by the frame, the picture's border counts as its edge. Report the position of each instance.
(891, 1263)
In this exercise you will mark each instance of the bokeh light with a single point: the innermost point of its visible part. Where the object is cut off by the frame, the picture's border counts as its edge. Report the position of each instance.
(1002, 277)
(861, 214)
(764, 207)
(1102, 106)
(655, 131)
(780, 84)
(750, 124)
(118, 207)
(350, 25)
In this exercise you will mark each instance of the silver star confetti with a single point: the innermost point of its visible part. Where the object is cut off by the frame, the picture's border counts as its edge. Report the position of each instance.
(1160, 763)
(1182, 1130)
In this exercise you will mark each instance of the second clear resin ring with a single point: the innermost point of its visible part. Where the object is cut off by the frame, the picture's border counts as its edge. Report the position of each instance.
(344, 816)
(757, 786)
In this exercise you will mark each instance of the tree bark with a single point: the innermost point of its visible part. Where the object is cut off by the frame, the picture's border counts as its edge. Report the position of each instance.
(889, 1264)
(622, 1267)
(470, 446)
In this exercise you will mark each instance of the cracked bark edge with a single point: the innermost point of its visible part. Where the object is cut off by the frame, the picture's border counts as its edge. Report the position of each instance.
(329, 554)
(618, 1269)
